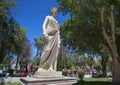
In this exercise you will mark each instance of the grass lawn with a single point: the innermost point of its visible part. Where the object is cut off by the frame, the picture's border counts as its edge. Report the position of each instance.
(12, 84)
(94, 81)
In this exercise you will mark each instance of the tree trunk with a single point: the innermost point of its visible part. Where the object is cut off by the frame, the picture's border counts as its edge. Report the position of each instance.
(104, 66)
(116, 70)
(112, 45)
(116, 63)
(2, 53)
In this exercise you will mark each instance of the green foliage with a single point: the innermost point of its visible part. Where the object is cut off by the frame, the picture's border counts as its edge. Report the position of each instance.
(13, 84)
(64, 72)
(40, 42)
(85, 21)
(6, 7)
(64, 63)
(16, 75)
(94, 81)
(36, 61)
(12, 35)
(81, 74)
(69, 62)
(97, 67)
(94, 25)
(60, 64)
(81, 23)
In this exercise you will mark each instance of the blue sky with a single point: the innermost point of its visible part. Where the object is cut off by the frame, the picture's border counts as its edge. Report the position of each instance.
(31, 14)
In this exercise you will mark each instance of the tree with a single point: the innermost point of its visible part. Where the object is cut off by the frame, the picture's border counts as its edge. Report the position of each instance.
(25, 58)
(12, 35)
(16, 40)
(97, 24)
(5, 20)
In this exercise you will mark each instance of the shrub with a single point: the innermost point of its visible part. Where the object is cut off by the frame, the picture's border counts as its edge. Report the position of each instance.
(81, 73)
(64, 72)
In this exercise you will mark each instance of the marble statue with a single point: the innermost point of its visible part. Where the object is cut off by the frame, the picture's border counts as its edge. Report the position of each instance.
(50, 52)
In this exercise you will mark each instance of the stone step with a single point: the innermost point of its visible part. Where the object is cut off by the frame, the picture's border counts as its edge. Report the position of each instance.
(48, 81)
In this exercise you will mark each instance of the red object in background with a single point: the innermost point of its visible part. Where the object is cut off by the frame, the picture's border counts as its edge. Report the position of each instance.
(23, 74)
(80, 69)
(70, 71)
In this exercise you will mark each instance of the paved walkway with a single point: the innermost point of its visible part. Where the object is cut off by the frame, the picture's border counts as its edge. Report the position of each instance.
(11, 79)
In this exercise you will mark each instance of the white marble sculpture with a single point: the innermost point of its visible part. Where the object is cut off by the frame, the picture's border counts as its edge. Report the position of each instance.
(51, 50)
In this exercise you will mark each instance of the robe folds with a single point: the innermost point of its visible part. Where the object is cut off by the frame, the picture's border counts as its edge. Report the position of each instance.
(51, 49)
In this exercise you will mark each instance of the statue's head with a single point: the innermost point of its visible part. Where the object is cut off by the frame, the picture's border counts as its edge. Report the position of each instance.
(53, 11)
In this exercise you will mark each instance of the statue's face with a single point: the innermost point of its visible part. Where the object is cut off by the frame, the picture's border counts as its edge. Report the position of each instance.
(54, 14)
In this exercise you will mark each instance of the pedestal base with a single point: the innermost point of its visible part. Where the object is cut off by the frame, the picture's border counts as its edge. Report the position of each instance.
(48, 81)
(48, 78)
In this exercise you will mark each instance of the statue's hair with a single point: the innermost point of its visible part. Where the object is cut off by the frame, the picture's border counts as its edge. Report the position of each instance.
(53, 9)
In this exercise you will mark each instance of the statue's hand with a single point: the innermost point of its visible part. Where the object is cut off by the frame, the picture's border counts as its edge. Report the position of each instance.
(47, 39)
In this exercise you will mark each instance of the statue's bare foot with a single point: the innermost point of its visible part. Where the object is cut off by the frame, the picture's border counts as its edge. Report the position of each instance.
(51, 70)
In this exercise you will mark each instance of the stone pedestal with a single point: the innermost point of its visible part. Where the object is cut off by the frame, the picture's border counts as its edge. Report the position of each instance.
(48, 74)
(48, 78)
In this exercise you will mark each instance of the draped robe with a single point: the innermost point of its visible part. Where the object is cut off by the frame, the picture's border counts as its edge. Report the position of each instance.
(51, 49)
